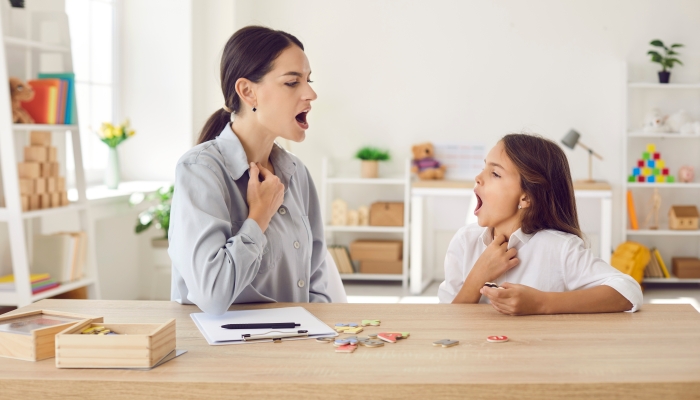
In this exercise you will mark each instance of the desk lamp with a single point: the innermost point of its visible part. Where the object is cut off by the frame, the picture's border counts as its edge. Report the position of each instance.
(571, 140)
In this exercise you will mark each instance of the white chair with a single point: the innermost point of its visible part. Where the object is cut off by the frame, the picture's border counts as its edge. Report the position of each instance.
(335, 285)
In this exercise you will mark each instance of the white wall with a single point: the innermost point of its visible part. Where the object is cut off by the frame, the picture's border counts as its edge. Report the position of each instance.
(391, 73)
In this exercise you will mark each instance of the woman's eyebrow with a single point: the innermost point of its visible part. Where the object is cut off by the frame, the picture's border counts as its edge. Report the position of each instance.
(294, 73)
(493, 164)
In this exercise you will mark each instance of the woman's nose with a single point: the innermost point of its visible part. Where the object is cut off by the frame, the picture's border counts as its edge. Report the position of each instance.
(311, 95)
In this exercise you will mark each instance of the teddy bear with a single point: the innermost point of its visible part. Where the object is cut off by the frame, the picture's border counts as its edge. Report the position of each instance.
(655, 122)
(424, 164)
(19, 92)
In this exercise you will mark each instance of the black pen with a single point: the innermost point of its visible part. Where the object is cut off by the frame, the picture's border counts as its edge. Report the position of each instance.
(277, 325)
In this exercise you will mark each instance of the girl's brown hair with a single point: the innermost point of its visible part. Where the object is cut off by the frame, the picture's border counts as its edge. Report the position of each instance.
(546, 180)
(249, 54)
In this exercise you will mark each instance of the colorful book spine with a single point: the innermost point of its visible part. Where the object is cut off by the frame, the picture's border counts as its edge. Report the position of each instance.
(661, 264)
(632, 212)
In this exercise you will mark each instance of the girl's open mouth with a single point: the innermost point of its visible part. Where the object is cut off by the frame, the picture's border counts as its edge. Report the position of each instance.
(479, 203)
(301, 120)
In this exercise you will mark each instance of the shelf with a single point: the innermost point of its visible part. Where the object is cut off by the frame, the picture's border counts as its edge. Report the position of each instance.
(661, 232)
(32, 44)
(4, 214)
(10, 298)
(366, 181)
(44, 127)
(669, 135)
(652, 85)
(674, 185)
(672, 280)
(371, 277)
(366, 229)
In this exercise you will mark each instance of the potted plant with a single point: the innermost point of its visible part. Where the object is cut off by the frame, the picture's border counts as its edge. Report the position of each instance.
(112, 136)
(157, 214)
(370, 157)
(667, 60)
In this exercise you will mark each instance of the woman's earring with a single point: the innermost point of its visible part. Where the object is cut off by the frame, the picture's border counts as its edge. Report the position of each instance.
(254, 109)
(519, 206)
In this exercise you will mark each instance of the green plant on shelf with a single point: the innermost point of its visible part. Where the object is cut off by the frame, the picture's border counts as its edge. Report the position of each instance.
(668, 59)
(158, 214)
(372, 154)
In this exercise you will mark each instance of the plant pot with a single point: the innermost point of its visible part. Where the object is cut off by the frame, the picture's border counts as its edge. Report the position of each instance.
(112, 173)
(664, 76)
(369, 168)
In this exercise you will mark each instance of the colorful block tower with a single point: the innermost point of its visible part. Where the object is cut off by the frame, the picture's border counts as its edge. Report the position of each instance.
(651, 168)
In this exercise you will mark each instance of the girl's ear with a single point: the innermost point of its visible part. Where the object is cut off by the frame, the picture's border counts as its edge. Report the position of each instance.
(246, 92)
(524, 201)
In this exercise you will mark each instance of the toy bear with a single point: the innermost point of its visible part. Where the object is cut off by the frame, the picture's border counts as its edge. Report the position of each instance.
(424, 164)
(19, 92)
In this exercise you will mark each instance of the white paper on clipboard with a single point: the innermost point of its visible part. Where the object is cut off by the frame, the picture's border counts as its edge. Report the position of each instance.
(210, 325)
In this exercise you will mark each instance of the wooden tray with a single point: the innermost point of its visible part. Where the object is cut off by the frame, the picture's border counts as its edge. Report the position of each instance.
(35, 344)
(135, 346)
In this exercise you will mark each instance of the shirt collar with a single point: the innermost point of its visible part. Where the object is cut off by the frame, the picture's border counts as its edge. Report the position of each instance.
(518, 239)
(236, 160)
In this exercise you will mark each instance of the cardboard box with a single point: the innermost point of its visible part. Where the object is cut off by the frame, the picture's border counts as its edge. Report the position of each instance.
(386, 214)
(36, 344)
(381, 267)
(29, 170)
(40, 138)
(135, 345)
(686, 267)
(376, 250)
(26, 186)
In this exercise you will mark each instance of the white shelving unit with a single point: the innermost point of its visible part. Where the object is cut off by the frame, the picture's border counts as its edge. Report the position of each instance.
(23, 225)
(677, 150)
(369, 195)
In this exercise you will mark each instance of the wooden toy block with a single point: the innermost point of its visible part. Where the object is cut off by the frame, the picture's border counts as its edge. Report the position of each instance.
(29, 170)
(55, 199)
(51, 184)
(660, 164)
(631, 178)
(656, 171)
(45, 170)
(40, 138)
(645, 156)
(657, 156)
(640, 179)
(39, 185)
(25, 203)
(650, 163)
(651, 148)
(64, 198)
(651, 179)
(636, 171)
(55, 169)
(26, 186)
(36, 153)
(670, 179)
(645, 171)
(661, 178)
(664, 171)
(52, 154)
(640, 163)
(44, 200)
(33, 202)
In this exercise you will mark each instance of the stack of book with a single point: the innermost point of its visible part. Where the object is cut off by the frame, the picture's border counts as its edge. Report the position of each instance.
(54, 99)
(342, 259)
(40, 283)
(656, 267)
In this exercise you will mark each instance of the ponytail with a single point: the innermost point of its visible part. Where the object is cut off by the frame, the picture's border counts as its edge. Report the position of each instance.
(248, 54)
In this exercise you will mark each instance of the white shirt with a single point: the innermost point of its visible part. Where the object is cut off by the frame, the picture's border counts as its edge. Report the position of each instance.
(550, 261)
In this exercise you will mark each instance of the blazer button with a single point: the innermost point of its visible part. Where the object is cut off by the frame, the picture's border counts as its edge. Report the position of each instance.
(300, 283)
(296, 245)
(282, 210)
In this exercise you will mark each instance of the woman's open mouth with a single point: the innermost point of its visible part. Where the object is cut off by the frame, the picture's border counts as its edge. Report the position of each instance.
(301, 119)
(479, 203)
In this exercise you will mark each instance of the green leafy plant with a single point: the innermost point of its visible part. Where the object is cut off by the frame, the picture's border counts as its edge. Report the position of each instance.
(158, 214)
(372, 154)
(668, 59)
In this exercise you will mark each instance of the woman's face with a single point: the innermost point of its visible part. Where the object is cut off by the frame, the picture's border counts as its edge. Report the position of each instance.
(498, 191)
(284, 96)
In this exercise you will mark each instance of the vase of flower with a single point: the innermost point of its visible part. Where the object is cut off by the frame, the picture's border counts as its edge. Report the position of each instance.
(112, 136)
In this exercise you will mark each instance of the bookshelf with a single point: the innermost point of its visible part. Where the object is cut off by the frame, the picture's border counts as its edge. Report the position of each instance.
(27, 47)
(677, 149)
(338, 180)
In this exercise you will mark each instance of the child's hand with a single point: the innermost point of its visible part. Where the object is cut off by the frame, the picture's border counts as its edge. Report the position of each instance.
(496, 259)
(515, 299)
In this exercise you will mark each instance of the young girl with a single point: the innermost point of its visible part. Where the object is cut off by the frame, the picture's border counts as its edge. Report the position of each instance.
(528, 240)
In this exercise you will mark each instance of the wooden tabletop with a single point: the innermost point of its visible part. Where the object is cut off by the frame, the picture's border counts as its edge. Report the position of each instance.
(654, 353)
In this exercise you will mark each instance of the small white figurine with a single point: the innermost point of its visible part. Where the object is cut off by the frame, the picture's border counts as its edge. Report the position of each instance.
(339, 213)
(364, 215)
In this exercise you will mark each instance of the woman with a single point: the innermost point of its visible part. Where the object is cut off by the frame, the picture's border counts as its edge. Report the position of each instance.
(245, 220)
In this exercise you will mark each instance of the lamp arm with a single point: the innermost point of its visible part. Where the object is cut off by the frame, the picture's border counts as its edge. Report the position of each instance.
(589, 150)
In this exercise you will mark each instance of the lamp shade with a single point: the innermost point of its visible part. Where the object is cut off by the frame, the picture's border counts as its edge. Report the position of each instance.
(571, 139)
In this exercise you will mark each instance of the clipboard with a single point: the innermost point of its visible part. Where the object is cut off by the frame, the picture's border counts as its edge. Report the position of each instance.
(215, 335)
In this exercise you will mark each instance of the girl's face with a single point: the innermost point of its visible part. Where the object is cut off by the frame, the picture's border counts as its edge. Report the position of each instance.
(499, 193)
(284, 96)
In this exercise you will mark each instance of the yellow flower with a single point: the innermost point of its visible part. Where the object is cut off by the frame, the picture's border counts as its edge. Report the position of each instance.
(132, 133)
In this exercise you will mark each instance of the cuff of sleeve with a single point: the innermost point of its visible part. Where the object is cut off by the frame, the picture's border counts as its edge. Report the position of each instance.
(252, 230)
(630, 290)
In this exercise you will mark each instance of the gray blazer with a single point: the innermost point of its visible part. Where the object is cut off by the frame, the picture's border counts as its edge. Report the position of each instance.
(219, 256)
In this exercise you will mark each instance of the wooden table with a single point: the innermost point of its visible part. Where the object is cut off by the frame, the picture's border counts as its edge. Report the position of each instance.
(652, 354)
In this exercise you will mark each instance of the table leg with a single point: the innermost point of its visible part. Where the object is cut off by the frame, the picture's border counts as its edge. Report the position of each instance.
(416, 258)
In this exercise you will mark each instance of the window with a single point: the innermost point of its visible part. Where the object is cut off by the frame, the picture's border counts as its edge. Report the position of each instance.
(91, 24)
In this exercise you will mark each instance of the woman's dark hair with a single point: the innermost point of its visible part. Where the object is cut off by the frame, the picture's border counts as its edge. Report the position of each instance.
(546, 180)
(249, 54)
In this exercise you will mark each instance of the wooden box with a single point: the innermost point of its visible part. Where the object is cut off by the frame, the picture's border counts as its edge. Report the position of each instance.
(386, 214)
(19, 340)
(686, 267)
(376, 250)
(381, 267)
(135, 345)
